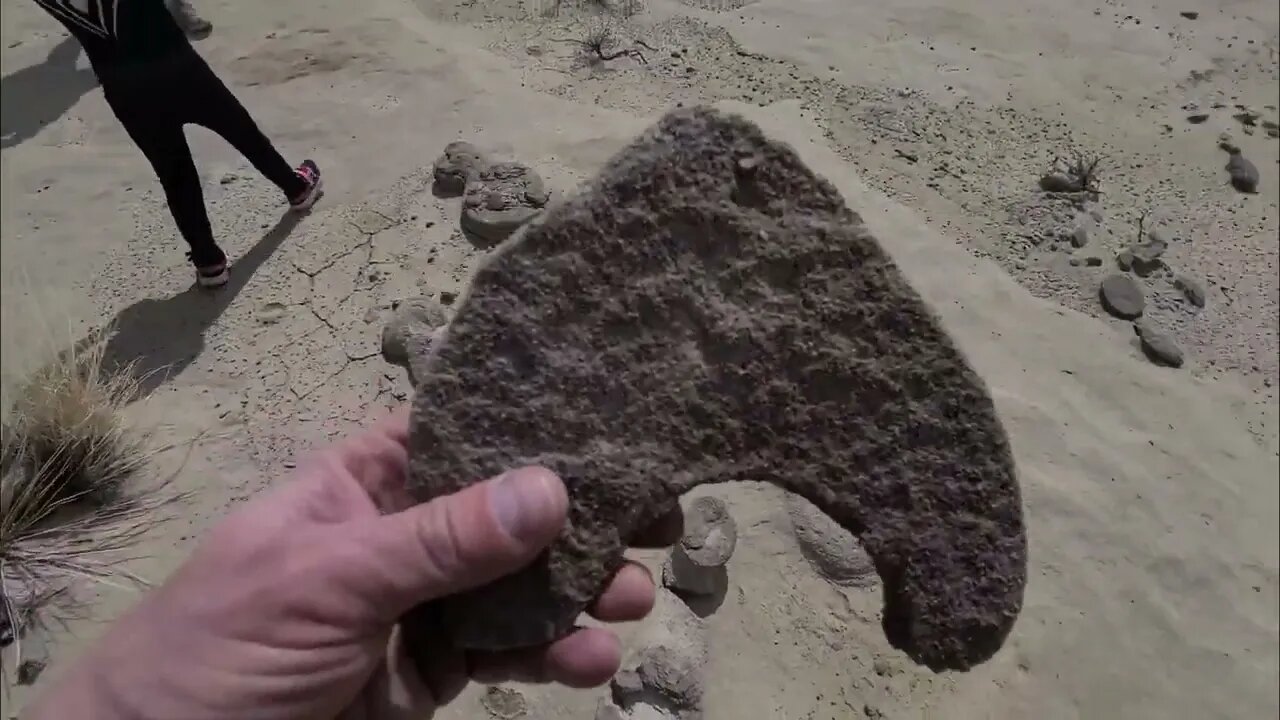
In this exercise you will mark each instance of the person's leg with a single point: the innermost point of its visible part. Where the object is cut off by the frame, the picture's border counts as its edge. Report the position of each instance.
(212, 105)
(158, 134)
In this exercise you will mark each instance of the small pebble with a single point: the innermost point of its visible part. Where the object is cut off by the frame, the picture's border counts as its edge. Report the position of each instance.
(1122, 297)
(1191, 289)
(1159, 347)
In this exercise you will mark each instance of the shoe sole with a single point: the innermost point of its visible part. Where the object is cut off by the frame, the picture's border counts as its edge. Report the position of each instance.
(312, 197)
(213, 281)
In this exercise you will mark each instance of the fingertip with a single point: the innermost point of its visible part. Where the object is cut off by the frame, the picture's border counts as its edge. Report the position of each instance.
(629, 596)
(585, 659)
(395, 424)
(530, 504)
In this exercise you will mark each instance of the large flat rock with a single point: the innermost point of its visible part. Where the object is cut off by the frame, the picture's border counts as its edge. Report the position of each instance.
(709, 310)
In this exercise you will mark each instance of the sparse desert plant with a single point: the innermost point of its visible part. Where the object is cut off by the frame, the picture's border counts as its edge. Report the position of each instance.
(1080, 174)
(599, 39)
(76, 490)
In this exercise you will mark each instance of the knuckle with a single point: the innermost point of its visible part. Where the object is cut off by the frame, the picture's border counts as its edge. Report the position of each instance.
(439, 541)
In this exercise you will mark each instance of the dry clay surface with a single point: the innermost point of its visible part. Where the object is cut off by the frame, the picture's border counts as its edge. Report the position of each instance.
(708, 310)
(1151, 508)
(956, 110)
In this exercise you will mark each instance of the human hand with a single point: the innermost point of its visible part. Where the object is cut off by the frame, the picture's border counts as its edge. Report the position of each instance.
(288, 608)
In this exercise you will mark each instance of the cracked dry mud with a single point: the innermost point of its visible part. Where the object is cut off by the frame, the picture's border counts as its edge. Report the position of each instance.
(709, 310)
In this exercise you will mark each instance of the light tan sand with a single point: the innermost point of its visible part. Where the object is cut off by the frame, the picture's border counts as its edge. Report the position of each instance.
(1151, 493)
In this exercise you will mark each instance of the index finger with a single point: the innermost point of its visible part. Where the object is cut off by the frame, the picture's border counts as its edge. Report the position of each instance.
(378, 460)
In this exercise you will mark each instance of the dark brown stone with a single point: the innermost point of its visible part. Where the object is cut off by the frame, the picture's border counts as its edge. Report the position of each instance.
(680, 322)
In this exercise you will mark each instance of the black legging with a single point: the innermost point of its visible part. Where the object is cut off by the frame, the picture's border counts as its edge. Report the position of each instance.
(154, 102)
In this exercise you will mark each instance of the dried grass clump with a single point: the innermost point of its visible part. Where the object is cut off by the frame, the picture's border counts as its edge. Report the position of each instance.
(76, 491)
(1079, 174)
(597, 43)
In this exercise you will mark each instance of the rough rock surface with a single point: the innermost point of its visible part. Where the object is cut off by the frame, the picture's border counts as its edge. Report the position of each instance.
(504, 703)
(460, 164)
(1124, 260)
(1244, 174)
(665, 676)
(709, 532)
(690, 579)
(833, 551)
(709, 310)
(1080, 235)
(407, 337)
(1159, 346)
(1145, 257)
(1191, 289)
(696, 563)
(1122, 296)
(503, 197)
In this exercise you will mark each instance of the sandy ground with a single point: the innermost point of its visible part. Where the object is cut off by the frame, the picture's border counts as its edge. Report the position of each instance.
(1151, 493)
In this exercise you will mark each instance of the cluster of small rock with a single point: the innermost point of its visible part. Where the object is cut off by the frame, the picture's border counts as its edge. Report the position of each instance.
(664, 679)
(497, 197)
(1123, 296)
(1076, 217)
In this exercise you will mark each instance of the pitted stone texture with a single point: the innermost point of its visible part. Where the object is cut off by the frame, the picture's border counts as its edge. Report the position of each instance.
(409, 317)
(708, 310)
(696, 563)
(407, 337)
(710, 534)
(502, 198)
(832, 550)
(461, 163)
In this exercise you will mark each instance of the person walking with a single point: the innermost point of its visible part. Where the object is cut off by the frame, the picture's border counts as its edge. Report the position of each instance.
(156, 83)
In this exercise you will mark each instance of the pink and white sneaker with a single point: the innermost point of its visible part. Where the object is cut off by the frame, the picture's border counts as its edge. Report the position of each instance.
(214, 274)
(310, 174)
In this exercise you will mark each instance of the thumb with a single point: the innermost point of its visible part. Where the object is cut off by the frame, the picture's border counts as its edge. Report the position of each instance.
(464, 540)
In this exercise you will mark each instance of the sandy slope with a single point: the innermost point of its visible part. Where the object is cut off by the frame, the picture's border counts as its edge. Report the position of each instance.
(1151, 494)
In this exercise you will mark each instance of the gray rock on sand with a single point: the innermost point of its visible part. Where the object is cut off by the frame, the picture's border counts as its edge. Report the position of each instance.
(1146, 257)
(1159, 346)
(665, 677)
(833, 552)
(503, 197)
(690, 318)
(696, 563)
(1191, 289)
(1122, 297)
(408, 334)
(1244, 174)
(1124, 260)
(459, 164)
(1080, 235)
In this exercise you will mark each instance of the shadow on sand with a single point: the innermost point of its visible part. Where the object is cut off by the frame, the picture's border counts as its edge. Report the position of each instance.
(161, 338)
(35, 96)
